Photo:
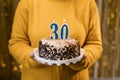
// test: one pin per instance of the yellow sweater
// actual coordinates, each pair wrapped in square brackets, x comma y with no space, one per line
[32,23]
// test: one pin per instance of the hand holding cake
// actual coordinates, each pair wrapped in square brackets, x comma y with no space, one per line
[32,55]
[58,51]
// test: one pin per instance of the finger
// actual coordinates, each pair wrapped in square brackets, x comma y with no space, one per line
[45,63]
[84,56]
[32,55]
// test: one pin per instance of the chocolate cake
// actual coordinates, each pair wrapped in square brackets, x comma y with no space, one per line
[53,49]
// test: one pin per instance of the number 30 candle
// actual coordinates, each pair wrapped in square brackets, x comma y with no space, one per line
[64,31]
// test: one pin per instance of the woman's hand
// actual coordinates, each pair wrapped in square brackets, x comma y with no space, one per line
[84,56]
[32,55]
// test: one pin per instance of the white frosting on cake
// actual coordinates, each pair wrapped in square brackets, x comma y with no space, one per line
[59,43]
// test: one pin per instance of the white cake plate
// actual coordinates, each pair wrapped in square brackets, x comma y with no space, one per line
[58,62]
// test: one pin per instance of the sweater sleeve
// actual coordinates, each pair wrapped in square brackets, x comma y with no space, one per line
[19,44]
[93,43]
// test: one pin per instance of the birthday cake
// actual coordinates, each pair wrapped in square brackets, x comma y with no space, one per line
[58,49]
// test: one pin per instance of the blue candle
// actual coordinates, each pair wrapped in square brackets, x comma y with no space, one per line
[64,31]
[55,31]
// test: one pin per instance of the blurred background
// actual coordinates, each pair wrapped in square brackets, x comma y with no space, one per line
[107,68]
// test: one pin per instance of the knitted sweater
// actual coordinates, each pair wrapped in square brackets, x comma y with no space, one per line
[32,22]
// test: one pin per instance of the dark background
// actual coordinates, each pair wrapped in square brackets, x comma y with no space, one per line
[107,68]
